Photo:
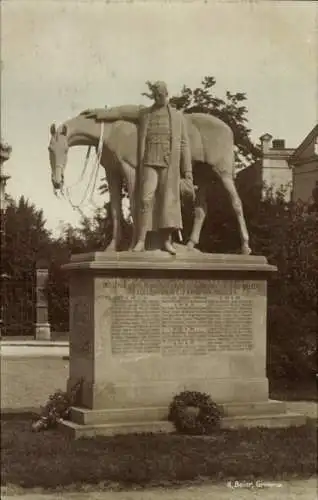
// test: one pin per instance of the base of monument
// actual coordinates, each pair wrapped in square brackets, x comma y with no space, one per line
[145,327]
[90,423]
[159,393]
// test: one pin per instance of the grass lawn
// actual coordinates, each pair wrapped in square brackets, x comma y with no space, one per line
[48,461]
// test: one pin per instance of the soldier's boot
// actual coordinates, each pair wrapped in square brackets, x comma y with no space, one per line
[167,242]
[140,246]
[143,228]
[141,242]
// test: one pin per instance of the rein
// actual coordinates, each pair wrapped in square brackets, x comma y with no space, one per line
[93,176]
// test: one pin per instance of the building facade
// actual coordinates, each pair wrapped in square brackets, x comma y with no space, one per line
[304,165]
[272,172]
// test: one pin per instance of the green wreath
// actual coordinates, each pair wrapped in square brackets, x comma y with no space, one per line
[194,413]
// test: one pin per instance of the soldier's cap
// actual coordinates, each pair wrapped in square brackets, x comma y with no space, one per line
[160,87]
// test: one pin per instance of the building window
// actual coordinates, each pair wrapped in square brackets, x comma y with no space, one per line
[316,146]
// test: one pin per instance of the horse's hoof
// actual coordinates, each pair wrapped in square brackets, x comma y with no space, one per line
[246,250]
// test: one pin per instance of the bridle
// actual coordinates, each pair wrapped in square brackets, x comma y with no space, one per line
[92,179]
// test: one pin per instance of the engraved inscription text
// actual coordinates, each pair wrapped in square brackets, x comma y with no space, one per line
[180,317]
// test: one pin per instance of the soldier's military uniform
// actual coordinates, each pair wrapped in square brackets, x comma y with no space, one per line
[164,158]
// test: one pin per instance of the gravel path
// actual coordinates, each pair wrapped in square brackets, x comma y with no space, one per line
[292,490]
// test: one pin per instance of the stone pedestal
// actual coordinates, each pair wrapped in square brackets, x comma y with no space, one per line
[144,327]
[42,326]
[42,331]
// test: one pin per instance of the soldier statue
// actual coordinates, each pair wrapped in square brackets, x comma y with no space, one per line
[164,165]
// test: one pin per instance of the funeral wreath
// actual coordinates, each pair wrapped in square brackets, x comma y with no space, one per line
[194,413]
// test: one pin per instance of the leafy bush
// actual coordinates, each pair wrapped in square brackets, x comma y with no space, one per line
[57,408]
[288,237]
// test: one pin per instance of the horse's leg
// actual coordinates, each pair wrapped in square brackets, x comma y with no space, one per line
[115,187]
[130,176]
[200,211]
[228,183]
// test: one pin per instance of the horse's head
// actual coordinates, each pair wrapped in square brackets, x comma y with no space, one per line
[58,149]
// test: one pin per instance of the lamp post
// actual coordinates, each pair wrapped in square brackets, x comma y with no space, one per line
[5,153]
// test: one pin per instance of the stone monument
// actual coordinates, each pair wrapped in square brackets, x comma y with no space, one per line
[146,325]
[42,325]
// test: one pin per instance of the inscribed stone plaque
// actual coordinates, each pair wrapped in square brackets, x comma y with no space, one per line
[180,317]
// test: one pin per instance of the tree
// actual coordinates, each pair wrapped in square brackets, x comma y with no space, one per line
[26,241]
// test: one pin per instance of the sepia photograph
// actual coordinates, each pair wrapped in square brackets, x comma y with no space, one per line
[159,249]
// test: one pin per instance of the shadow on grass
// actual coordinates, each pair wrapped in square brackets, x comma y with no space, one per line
[50,461]
[18,415]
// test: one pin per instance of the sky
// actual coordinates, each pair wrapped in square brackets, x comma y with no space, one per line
[59,57]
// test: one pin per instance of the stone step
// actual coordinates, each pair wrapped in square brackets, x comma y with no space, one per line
[76,431]
[287,419]
[85,416]
[251,408]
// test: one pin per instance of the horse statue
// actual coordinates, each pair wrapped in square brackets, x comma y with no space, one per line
[212,149]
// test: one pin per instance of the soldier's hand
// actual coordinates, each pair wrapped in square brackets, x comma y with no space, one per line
[95,113]
[187,189]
